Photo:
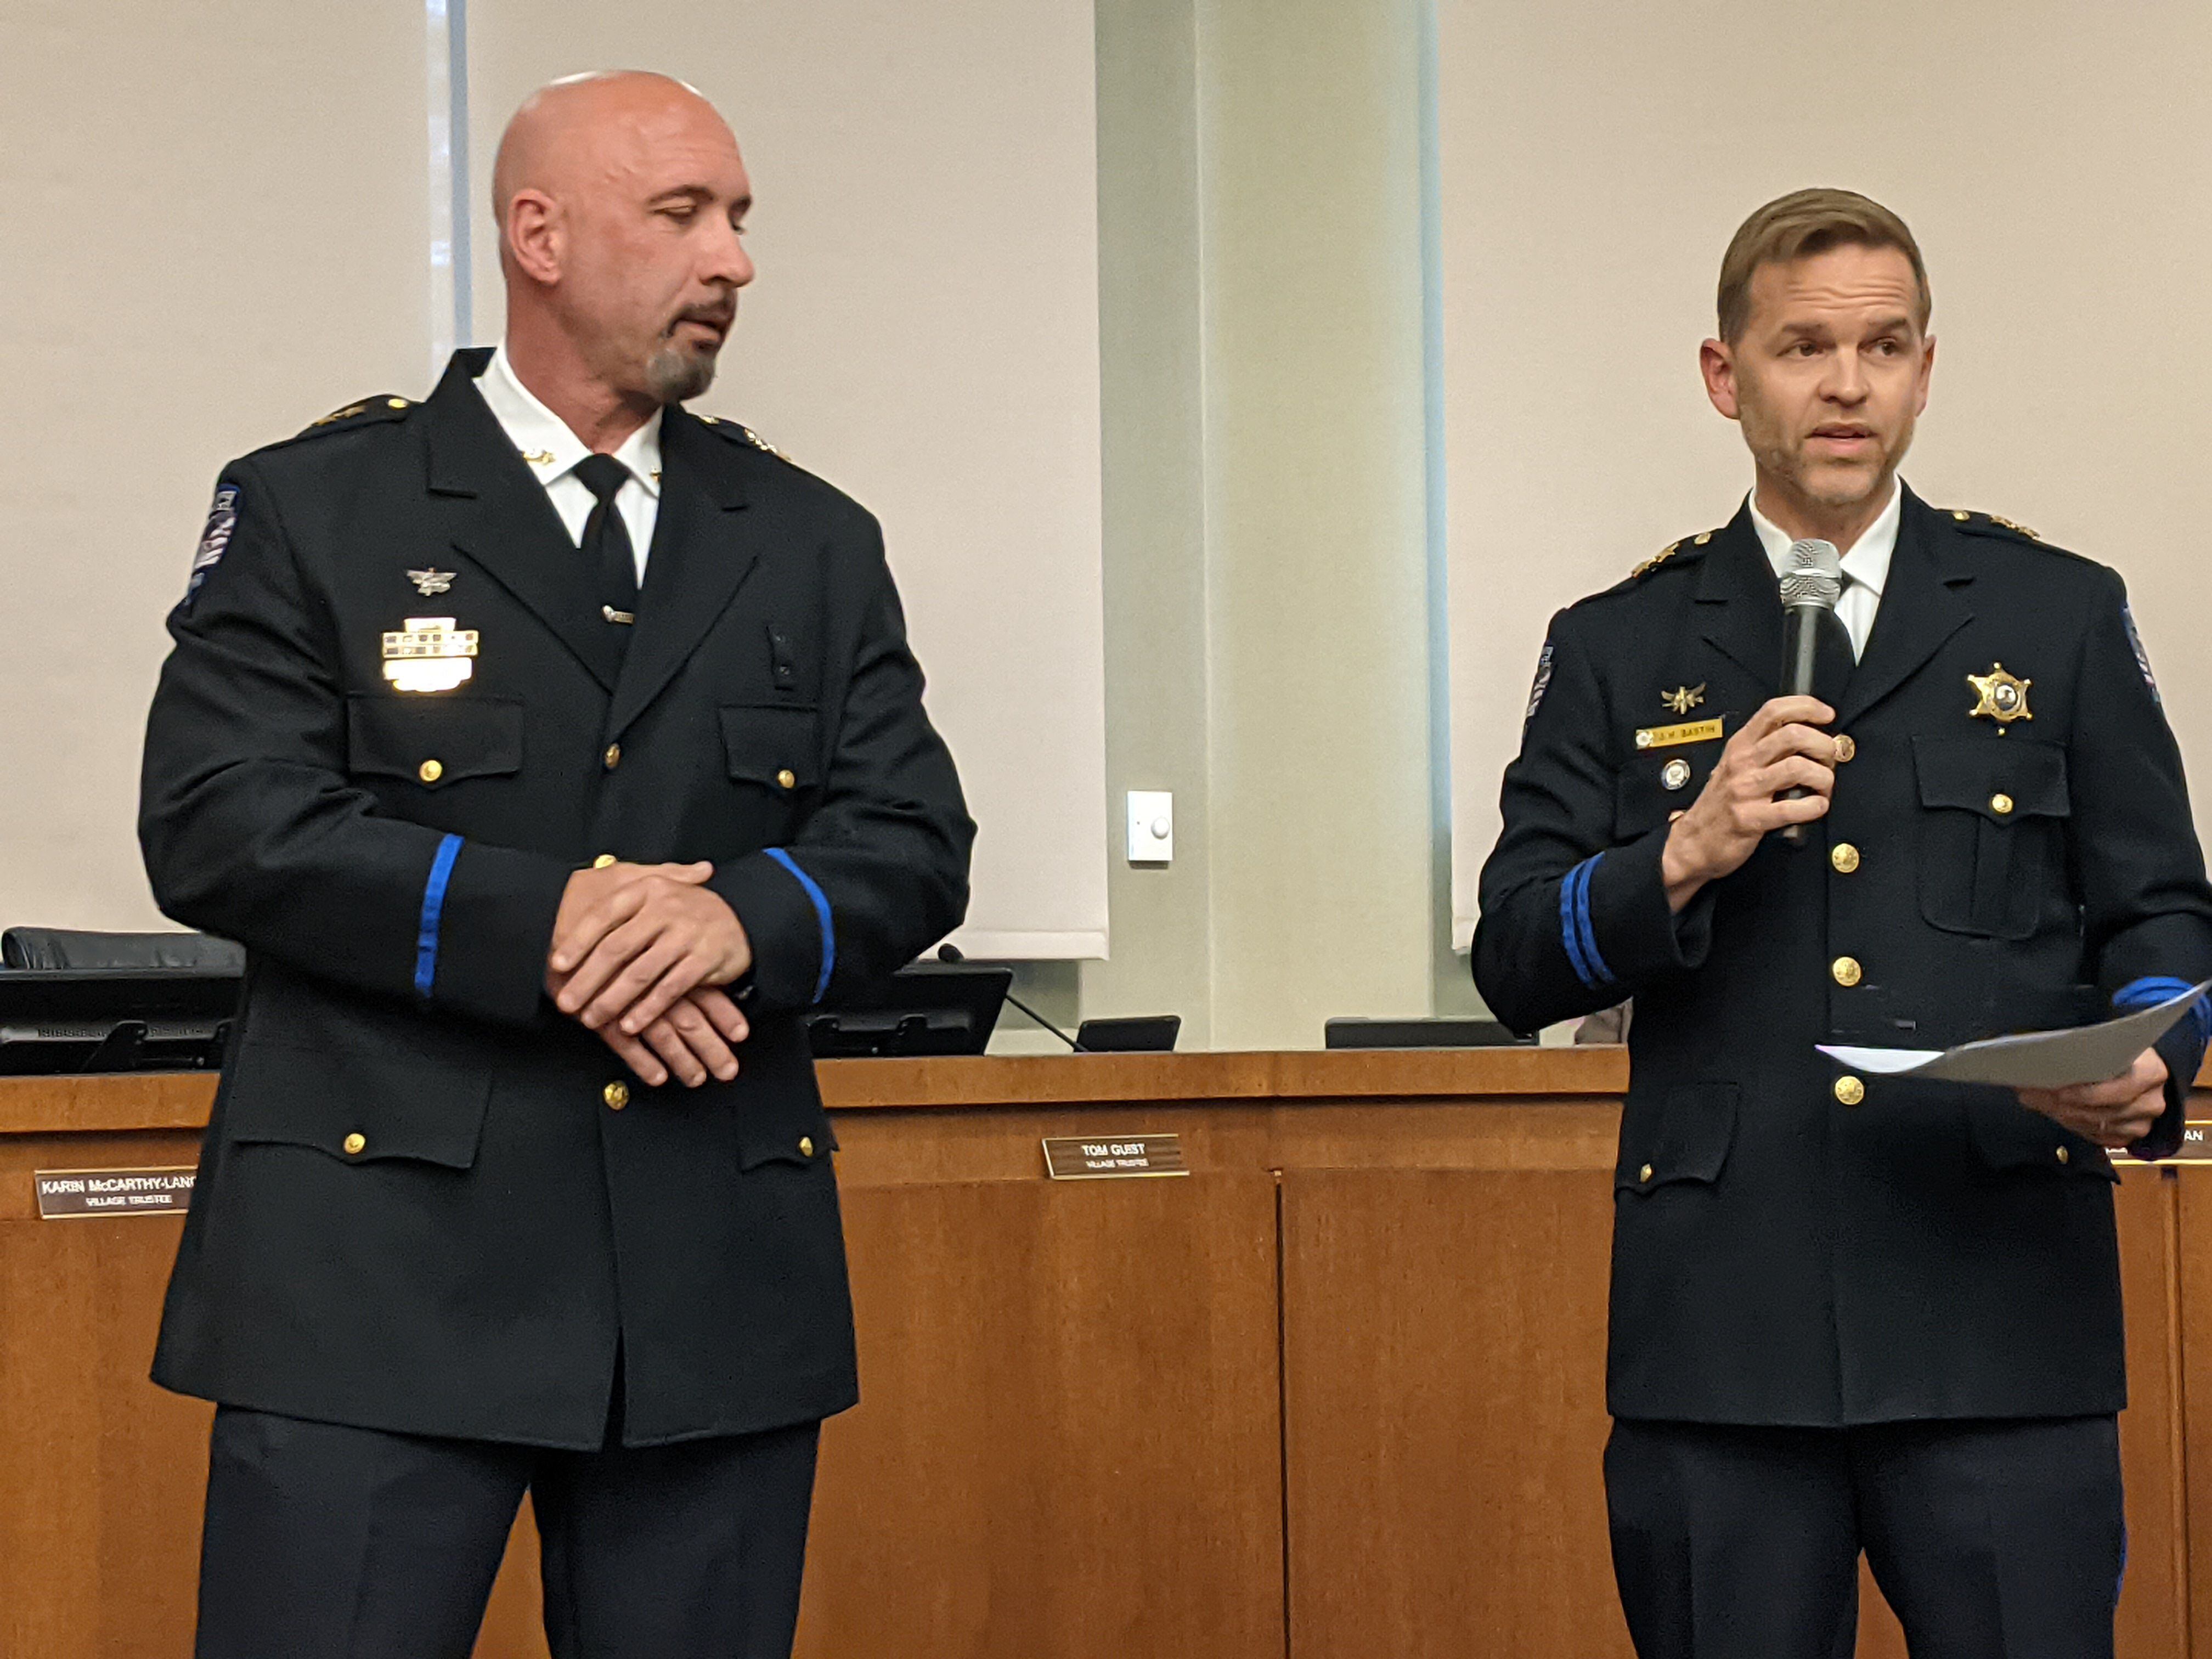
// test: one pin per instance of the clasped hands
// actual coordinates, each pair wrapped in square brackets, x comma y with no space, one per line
[1782,747]
[640,954]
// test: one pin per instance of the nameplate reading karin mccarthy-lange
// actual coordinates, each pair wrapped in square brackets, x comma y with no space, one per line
[1122,1158]
[66,1194]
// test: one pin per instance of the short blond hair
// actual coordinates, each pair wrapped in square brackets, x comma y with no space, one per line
[1799,225]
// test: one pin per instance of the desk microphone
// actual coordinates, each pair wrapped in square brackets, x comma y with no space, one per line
[1810,588]
[951,953]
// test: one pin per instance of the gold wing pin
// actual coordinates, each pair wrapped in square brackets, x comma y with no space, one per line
[2000,696]
[1683,698]
[431,583]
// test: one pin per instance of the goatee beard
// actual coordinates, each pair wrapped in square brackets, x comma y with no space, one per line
[675,375]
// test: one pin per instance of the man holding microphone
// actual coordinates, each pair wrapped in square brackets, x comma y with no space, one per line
[1855,1314]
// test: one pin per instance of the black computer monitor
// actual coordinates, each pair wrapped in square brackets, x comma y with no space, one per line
[114,1019]
[929,1008]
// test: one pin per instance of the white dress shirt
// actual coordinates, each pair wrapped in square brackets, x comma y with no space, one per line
[551,451]
[1867,563]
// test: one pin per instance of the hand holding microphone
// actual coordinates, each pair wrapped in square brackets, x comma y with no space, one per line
[1778,771]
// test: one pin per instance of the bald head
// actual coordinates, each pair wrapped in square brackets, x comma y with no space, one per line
[620,200]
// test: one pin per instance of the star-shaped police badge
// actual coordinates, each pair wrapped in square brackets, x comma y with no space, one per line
[1683,698]
[431,583]
[2004,698]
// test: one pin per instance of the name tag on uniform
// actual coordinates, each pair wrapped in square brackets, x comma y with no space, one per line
[1672,737]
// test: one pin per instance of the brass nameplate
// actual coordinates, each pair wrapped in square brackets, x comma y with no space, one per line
[2195,1143]
[1671,736]
[68,1194]
[1120,1158]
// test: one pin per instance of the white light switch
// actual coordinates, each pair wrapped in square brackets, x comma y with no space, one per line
[1151,826]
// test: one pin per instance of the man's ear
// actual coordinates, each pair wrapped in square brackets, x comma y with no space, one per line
[1716,362]
[535,235]
[1927,376]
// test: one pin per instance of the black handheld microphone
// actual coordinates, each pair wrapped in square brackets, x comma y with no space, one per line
[952,953]
[1810,588]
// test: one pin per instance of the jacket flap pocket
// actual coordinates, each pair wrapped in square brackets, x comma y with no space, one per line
[359,1105]
[2009,1137]
[774,744]
[2001,780]
[780,1141]
[433,740]
[1684,1134]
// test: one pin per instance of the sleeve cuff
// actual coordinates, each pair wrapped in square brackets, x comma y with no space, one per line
[787,919]
[2182,1049]
[484,929]
[1615,915]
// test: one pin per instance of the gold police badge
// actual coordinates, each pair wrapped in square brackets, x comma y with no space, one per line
[2002,696]
[428,654]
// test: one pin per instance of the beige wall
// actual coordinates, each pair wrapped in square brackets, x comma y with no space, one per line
[215,231]
[2056,162]
[1266,517]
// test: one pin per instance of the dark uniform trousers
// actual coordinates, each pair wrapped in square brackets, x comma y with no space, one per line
[442,1248]
[1859,1314]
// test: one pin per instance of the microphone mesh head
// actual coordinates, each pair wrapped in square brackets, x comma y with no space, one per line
[1814,575]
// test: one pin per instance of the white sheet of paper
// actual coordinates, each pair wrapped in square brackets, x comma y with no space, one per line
[2039,1060]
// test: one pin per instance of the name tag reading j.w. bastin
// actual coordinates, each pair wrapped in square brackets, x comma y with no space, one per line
[70,1194]
[1114,1157]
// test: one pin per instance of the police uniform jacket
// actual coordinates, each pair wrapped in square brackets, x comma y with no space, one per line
[1793,1245]
[428,1202]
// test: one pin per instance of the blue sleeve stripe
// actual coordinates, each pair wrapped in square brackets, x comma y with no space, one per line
[433,911]
[820,914]
[2153,989]
[1575,928]
[1583,918]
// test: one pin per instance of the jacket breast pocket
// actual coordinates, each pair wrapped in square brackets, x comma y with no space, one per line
[1678,1133]
[363,1105]
[433,741]
[1992,830]
[774,745]
[1657,784]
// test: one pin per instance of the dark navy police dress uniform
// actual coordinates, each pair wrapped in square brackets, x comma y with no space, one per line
[429,1205]
[1845,1310]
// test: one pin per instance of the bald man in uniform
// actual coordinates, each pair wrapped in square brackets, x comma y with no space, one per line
[552,750]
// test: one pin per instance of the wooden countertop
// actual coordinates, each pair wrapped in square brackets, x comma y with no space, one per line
[143,1100]
[149,1101]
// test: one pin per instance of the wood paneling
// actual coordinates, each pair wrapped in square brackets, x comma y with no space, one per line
[1444,1334]
[1073,1442]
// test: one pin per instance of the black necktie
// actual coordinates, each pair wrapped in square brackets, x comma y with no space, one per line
[1833,658]
[606,548]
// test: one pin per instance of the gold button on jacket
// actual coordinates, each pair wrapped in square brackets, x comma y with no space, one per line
[1847,749]
[613,758]
[603,860]
[1849,1091]
[786,779]
[1843,857]
[1846,971]
[616,1094]
[2000,805]
[356,1142]
[430,771]
[806,1145]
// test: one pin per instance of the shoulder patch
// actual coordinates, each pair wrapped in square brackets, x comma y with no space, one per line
[1543,682]
[2142,657]
[367,412]
[215,540]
